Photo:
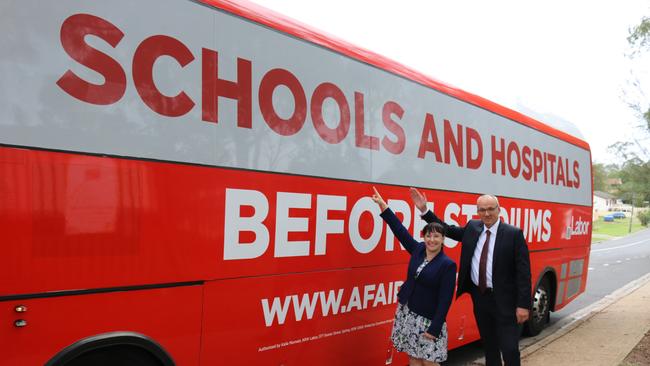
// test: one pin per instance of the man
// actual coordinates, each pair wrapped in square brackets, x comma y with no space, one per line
[497,278]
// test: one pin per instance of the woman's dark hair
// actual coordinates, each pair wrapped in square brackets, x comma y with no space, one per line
[433,227]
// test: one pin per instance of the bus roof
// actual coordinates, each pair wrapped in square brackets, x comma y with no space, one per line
[259,14]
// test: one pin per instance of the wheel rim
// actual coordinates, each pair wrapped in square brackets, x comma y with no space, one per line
[540,305]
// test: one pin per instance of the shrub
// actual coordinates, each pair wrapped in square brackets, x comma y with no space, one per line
[644,217]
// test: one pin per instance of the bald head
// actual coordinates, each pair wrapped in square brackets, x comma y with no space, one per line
[487,207]
[488,198]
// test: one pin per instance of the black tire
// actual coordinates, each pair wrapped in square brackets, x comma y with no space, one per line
[539,313]
[116,356]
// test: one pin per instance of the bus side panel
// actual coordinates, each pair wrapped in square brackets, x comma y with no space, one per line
[571,268]
[318,318]
[566,253]
[170,316]
[461,325]
[78,221]
[322,318]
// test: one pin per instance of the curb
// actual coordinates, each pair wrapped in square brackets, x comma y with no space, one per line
[581,316]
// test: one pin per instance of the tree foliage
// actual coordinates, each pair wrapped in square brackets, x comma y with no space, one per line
[601,174]
[635,175]
[634,172]
[640,35]
[639,40]
[600,177]
[644,217]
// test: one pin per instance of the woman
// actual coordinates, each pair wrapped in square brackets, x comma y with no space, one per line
[424,298]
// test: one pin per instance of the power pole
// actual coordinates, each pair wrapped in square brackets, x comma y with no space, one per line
[629,231]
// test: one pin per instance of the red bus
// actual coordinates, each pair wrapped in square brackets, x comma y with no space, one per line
[187,183]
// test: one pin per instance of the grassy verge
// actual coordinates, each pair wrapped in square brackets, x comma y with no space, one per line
[640,355]
[608,230]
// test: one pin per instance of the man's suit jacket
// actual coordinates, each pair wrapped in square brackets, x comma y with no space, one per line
[510,263]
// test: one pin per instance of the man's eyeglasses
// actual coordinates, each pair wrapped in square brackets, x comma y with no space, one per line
[486,209]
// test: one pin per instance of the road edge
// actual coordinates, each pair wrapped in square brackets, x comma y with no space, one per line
[530,345]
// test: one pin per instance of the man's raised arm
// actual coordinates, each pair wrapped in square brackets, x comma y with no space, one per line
[420,201]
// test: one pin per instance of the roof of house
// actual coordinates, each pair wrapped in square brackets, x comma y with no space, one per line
[604,195]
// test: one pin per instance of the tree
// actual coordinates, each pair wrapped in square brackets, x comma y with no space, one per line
[600,177]
[602,173]
[635,171]
[639,40]
[635,175]
[639,36]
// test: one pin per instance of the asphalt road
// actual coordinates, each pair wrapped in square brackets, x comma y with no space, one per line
[612,265]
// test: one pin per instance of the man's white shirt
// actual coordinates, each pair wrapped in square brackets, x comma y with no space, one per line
[476,259]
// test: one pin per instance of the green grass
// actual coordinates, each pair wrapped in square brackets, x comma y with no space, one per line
[608,230]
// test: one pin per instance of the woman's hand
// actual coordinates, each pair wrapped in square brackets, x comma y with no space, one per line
[429,336]
[378,200]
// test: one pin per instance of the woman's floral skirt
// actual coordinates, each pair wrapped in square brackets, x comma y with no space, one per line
[407,336]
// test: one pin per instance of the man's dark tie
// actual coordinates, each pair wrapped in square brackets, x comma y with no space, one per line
[482,266]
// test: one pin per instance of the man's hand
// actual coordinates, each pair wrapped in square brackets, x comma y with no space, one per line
[419,199]
[522,315]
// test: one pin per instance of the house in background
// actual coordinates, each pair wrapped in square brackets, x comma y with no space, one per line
[603,203]
[613,185]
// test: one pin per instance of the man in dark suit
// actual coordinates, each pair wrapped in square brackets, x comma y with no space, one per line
[495,271]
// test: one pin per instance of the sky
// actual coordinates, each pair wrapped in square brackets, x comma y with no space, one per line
[553,60]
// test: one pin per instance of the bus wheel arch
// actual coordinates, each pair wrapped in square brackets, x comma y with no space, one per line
[543,302]
[129,348]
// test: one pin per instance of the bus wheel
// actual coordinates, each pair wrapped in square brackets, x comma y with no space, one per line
[118,355]
[539,313]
